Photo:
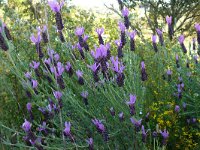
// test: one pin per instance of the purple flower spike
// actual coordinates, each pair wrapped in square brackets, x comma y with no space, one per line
[57,95]
[132,100]
[177,108]
[197,27]
[169,20]
[100,31]
[100,127]
[28,106]
[118,43]
[125,12]
[79,73]
[154,38]
[67,130]
[133,34]
[142,65]
[159,32]
[28,75]
[55,6]
[121,116]
[60,69]
[90,143]
[181,39]
[121,27]
[35,39]
[26,126]
[79,31]
[34,84]
[94,67]
[35,64]
[144,135]
[136,123]
[165,135]
[84,94]
[169,72]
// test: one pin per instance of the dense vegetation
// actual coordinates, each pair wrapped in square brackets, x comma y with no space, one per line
[73,79]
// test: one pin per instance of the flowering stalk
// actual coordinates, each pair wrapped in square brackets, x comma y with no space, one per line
[123,34]
[101,128]
[69,69]
[7,32]
[144,135]
[125,13]
[121,116]
[143,72]
[160,35]
[119,48]
[58,96]
[177,61]
[132,40]
[80,51]
[165,135]
[3,43]
[181,40]
[84,95]
[56,8]
[35,65]
[90,143]
[131,104]
[44,33]
[154,43]
[29,109]
[100,31]
[67,131]
[197,27]
[94,69]
[80,77]
[169,74]
[194,44]
[61,36]
[36,40]
[137,124]
[118,68]
[170,27]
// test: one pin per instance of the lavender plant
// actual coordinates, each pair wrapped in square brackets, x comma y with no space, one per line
[75,94]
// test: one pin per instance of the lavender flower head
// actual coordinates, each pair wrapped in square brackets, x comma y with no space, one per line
[60,69]
[90,143]
[68,66]
[100,31]
[35,39]
[79,31]
[159,32]
[142,65]
[57,94]
[132,34]
[165,135]
[169,72]
[29,106]
[55,6]
[121,27]
[125,12]
[181,39]
[100,127]
[154,38]
[79,73]
[94,67]
[121,116]
[84,94]
[67,129]
[144,134]
[118,43]
[34,84]
[177,108]
[132,100]
[136,123]
[28,75]
[197,27]
[35,64]
[26,126]
[169,20]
